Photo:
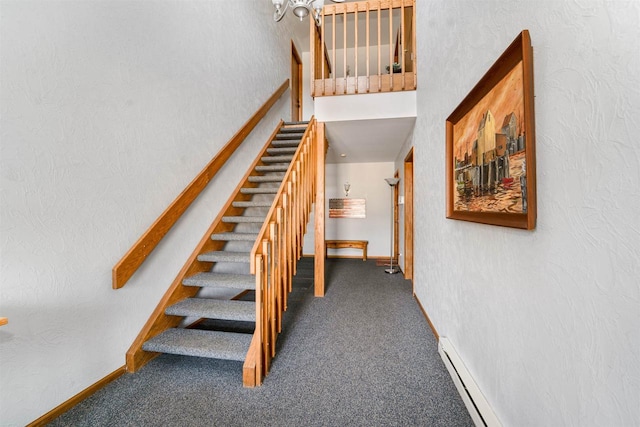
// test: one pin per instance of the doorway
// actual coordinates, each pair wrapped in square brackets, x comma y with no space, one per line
[408,216]
[296,84]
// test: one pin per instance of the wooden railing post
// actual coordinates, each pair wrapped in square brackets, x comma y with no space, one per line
[319,213]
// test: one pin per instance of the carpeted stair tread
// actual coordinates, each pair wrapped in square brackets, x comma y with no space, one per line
[243,219]
[266,178]
[225,256]
[289,136]
[259,190]
[293,129]
[277,159]
[299,123]
[221,280]
[244,311]
[285,143]
[194,342]
[272,168]
[256,204]
[245,237]
[282,150]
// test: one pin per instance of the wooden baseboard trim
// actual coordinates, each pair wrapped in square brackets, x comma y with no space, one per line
[65,406]
[369,257]
[345,257]
[426,316]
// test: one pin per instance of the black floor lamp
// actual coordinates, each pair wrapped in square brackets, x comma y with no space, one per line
[392,183]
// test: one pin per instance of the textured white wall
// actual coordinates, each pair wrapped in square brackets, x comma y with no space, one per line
[367,182]
[108,110]
[547,320]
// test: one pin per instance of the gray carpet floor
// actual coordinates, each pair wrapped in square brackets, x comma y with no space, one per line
[361,356]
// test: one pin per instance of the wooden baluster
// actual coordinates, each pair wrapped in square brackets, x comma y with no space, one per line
[294,215]
[300,229]
[344,49]
[266,336]
[367,52]
[307,178]
[322,42]
[379,47]
[292,221]
[402,44]
[259,310]
[413,45]
[333,51]
[312,56]
[390,46]
[285,241]
[282,271]
[355,50]
[272,290]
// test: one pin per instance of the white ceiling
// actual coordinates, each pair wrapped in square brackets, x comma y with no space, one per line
[367,141]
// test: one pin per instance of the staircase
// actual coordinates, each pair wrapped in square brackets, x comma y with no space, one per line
[216,287]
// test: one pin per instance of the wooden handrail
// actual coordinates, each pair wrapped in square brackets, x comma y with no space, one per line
[274,255]
[132,260]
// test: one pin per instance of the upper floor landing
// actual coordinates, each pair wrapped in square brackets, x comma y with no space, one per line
[363,47]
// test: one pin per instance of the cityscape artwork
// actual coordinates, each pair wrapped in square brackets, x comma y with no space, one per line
[490,145]
[489,151]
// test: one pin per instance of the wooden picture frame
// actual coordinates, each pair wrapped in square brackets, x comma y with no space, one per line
[490,145]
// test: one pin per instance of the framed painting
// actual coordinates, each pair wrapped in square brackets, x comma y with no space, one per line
[490,145]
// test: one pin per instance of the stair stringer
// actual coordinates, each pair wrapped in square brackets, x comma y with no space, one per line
[158,322]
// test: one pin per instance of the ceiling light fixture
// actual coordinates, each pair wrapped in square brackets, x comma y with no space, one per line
[300,8]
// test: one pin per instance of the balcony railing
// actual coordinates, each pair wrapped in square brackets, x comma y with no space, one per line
[364,47]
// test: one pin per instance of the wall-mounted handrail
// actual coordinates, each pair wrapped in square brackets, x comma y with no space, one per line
[366,67]
[274,255]
[135,256]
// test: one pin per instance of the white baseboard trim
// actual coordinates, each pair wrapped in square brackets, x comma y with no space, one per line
[478,407]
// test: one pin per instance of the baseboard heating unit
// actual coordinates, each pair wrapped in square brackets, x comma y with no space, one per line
[477,405]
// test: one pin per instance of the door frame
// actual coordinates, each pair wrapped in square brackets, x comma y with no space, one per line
[408,216]
[296,84]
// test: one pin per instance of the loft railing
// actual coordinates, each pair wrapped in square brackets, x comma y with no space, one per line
[274,255]
[138,253]
[364,47]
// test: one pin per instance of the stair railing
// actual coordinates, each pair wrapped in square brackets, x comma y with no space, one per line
[138,253]
[368,60]
[275,253]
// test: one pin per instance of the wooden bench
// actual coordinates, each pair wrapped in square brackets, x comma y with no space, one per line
[341,244]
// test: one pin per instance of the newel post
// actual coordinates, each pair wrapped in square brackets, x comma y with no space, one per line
[319,212]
